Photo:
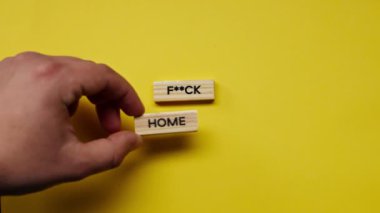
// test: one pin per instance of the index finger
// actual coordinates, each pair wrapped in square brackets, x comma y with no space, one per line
[101,84]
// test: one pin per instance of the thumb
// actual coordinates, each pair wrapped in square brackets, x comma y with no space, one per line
[105,153]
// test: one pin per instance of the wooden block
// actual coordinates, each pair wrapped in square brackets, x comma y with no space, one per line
[193,90]
[167,122]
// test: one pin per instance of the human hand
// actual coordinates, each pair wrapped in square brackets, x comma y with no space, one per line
[38,144]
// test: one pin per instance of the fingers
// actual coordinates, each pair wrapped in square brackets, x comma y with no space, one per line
[109,91]
[101,85]
[102,154]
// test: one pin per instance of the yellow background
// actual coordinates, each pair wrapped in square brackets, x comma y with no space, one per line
[296,122]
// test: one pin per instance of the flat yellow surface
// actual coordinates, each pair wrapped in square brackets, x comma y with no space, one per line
[296,122]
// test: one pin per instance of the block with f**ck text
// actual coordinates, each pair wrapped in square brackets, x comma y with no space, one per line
[189,90]
[167,122]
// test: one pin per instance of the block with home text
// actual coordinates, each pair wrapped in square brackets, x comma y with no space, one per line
[167,122]
[187,90]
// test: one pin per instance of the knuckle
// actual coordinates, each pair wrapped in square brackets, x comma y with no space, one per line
[86,164]
[80,170]
[73,168]
[87,65]
[115,162]
[87,61]
[83,168]
[26,55]
[48,68]
[111,160]
[104,67]
[7,59]
[42,66]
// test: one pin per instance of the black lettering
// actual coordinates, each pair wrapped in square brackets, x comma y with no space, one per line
[161,122]
[196,89]
[182,121]
[170,89]
[152,123]
[188,92]
[173,122]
